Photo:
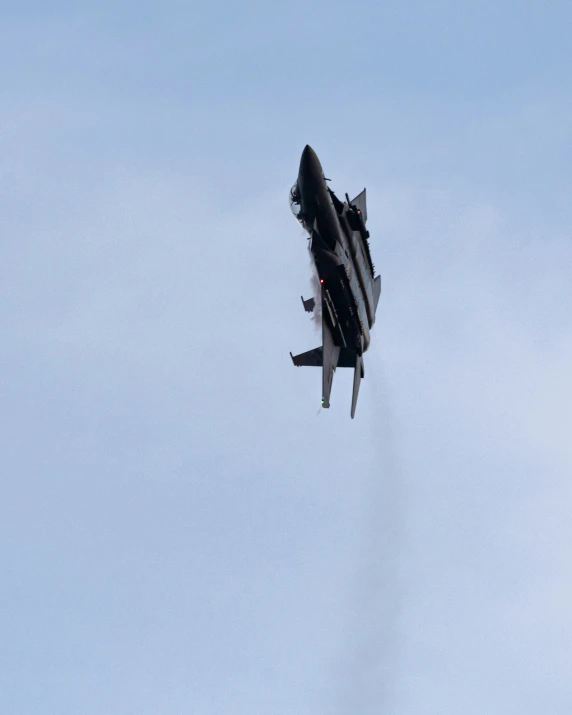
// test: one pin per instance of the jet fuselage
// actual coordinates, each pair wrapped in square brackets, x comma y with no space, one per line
[339,249]
[349,290]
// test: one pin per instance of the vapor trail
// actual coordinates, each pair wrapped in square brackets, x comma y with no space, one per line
[368,665]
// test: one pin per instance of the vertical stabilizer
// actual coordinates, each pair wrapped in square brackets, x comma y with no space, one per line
[376,291]
[357,381]
[330,355]
[360,203]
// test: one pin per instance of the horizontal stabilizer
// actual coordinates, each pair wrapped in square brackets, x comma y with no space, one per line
[360,204]
[314,358]
[309,304]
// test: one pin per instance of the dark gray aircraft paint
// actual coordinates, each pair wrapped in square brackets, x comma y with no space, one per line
[350,289]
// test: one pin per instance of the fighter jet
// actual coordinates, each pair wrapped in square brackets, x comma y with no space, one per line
[349,288]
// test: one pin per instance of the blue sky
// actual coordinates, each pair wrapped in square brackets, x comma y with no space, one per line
[181,529]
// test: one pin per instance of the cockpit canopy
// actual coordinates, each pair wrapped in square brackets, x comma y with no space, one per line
[296,206]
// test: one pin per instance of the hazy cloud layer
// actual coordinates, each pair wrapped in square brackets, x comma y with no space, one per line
[181,529]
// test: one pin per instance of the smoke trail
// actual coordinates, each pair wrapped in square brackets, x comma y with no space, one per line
[368,667]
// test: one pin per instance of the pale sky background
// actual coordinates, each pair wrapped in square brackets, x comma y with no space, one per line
[181,529]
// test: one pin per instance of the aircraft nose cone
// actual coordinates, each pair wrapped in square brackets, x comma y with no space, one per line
[310,167]
[309,160]
[308,152]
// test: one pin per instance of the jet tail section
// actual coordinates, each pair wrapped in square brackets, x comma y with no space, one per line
[330,356]
[335,357]
[326,357]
